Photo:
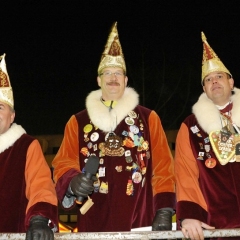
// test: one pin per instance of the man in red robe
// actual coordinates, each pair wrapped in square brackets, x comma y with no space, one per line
[135,185]
[206,161]
[27,193]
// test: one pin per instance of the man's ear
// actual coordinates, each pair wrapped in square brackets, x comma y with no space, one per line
[126,81]
[12,117]
[99,81]
[231,82]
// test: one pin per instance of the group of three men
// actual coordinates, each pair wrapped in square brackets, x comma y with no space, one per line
[134,185]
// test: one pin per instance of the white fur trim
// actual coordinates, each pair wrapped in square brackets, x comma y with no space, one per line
[108,120]
[8,138]
[207,114]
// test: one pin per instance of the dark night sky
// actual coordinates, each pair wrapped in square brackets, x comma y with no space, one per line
[53,49]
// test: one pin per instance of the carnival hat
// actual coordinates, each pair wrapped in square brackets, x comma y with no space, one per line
[112,55]
[6,93]
[211,62]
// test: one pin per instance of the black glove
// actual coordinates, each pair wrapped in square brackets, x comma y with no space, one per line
[80,186]
[39,229]
[162,220]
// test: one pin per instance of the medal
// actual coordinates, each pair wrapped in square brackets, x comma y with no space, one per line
[96,185]
[129,121]
[207,147]
[113,145]
[89,145]
[129,190]
[118,168]
[134,129]
[210,163]
[137,177]
[132,114]
[103,188]
[200,155]
[145,145]
[84,151]
[129,159]
[101,172]
[88,128]
[94,136]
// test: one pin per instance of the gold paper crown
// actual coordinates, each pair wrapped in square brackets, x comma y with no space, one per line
[211,62]
[112,55]
[6,94]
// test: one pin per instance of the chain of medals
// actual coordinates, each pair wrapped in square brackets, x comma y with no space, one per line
[132,137]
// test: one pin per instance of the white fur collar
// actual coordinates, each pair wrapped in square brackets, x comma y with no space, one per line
[8,138]
[207,113]
[100,115]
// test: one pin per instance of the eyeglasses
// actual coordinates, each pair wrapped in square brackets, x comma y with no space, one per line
[108,74]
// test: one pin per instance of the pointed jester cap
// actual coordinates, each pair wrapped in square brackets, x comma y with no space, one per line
[112,55]
[6,93]
[211,62]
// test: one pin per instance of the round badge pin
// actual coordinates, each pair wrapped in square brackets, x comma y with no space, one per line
[129,121]
[137,177]
[134,129]
[128,159]
[132,114]
[210,163]
[88,128]
[145,145]
[89,145]
[94,136]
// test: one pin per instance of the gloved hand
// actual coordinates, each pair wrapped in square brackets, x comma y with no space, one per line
[39,229]
[162,220]
[81,186]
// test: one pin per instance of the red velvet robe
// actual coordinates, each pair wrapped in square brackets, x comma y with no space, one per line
[210,195]
[26,186]
[116,211]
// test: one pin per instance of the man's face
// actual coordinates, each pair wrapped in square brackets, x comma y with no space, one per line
[218,86]
[6,117]
[112,81]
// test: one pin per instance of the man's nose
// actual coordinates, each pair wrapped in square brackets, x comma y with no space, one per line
[215,79]
[113,76]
